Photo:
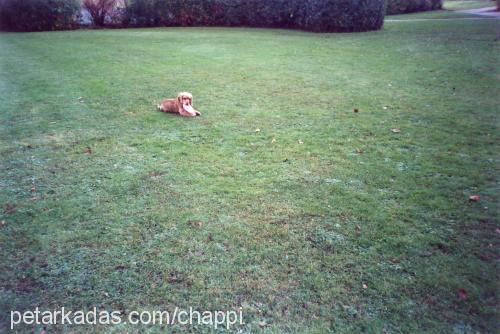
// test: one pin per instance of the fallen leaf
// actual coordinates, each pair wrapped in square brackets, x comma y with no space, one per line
[384,107]
[274,140]
[356,110]
[474,198]
[88,150]
[196,223]
[426,254]
[301,142]
[359,151]
[9,208]
[173,279]
[262,323]
[462,294]
[365,286]
[396,130]
[257,130]
[156,174]
[2,222]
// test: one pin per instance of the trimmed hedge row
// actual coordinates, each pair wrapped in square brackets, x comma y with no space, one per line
[37,15]
[313,15]
[410,6]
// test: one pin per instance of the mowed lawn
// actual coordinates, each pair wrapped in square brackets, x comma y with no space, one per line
[280,199]
[467,4]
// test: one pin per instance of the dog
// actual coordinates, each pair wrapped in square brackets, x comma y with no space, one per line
[182,105]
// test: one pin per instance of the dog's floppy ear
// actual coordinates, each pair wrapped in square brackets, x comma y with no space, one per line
[179,98]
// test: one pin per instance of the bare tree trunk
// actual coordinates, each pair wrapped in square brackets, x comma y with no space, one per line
[99,9]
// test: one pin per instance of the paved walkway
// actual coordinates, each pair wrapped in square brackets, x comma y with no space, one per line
[440,19]
[482,13]
[488,11]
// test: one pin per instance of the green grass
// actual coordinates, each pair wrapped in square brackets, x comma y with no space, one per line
[467,4]
[108,203]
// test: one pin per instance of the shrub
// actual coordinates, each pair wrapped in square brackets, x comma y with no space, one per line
[314,15]
[35,15]
[344,15]
[409,6]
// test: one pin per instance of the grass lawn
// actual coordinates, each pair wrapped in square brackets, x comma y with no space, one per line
[467,4]
[324,220]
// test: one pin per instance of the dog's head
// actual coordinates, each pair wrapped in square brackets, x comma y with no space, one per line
[185,98]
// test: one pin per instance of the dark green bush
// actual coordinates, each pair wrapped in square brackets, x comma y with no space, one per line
[409,6]
[35,15]
[344,15]
[314,15]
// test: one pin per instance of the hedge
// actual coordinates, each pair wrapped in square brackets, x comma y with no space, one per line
[313,15]
[35,15]
[410,6]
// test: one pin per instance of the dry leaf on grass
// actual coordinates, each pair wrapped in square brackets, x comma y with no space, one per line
[462,294]
[9,208]
[474,198]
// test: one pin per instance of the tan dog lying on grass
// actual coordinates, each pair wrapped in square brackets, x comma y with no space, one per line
[182,105]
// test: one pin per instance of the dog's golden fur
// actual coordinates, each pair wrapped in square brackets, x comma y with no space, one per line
[182,105]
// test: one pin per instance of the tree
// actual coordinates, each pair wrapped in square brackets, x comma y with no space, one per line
[37,15]
[99,9]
